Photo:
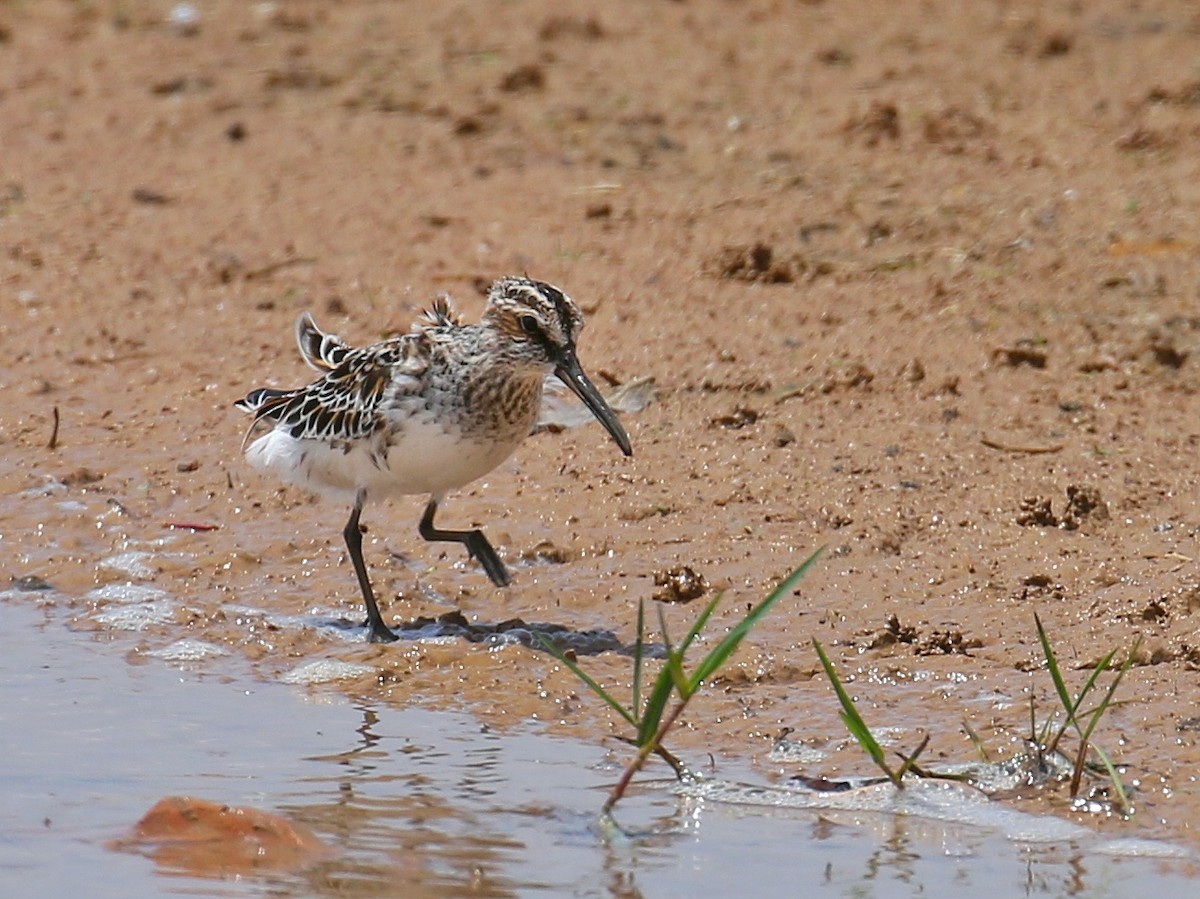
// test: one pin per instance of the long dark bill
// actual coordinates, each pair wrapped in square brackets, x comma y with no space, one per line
[570,373]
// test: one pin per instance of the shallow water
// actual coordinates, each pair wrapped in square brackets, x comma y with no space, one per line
[416,802]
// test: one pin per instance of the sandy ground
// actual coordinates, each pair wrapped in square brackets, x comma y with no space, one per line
[917,282]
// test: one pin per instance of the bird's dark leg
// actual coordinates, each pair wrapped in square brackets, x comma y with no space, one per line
[476,544]
[379,632]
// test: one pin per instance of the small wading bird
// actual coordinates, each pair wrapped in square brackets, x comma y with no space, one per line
[423,413]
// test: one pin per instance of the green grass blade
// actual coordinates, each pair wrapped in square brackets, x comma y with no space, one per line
[549,646]
[976,741]
[656,704]
[721,652]
[674,662]
[679,677]
[1073,714]
[1072,707]
[850,716]
[1090,683]
[701,620]
[909,762]
[1052,665]
[1060,687]
[638,651]
[1094,715]
[1115,777]
[862,735]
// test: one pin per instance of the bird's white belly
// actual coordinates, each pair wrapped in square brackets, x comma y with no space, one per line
[425,459]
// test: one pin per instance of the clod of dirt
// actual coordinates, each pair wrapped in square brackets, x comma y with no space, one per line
[1020,354]
[836,519]
[546,551]
[1057,44]
[524,78]
[31,583]
[81,477]
[847,376]
[1162,347]
[881,121]
[679,584]
[835,56]
[1154,611]
[953,126]
[947,643]
[783,436]
[1036,512]
[757,263]
[150,196]
[737,419]
[469,125]
[1083,502]
[1153,653]
[913,371]
[1040,585]
[893,632]
[1098,363]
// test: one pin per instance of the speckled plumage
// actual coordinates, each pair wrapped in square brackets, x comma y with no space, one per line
[425,412]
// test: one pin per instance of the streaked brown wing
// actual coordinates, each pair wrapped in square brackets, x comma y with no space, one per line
[348,403]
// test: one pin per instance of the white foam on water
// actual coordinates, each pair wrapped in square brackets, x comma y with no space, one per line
[137,617]
[948,803]
[795,751]
[329,624]
[326,671]
[126,593]
[131,564]
[49,487]
[188,650]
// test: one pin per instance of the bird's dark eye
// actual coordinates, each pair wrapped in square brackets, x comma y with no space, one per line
[529,325]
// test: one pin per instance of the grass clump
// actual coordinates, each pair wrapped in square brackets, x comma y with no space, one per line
[1045,740]
[653,716]
[1084,720]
